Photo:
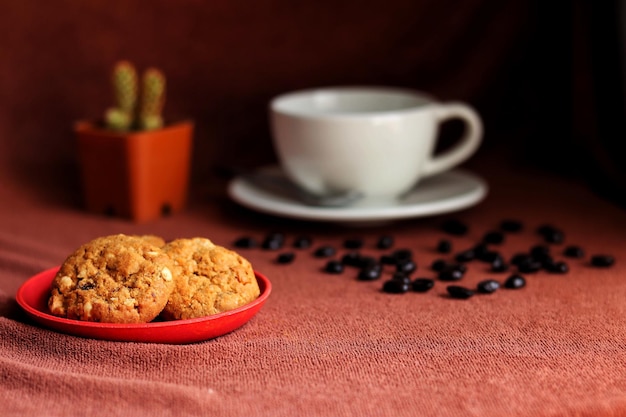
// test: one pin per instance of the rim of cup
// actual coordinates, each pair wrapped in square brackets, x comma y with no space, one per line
[349,102]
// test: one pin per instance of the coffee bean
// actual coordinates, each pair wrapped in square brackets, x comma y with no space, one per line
[465,256]
[385,242]
[459,292]
[495,238]
[246,242]
[547,262]
[539,252]
[406,265]
[395,286]
[602,261]
[551,234]
[515,282]
[351,259]
[273,241]
[423,284]
[556,236]
[401,276]
[487,286]
[353,243]
[482,252]
[451,274]
[401,254]
[358,260]
[454,227]
[498,265]
[559,267]
[509,225]
[303,242]
[529,266]
[286,258]
[520,258]
[333,267]
[370,273]
[444,246]
[438,265]
[545,229]
[574,252]
[324,252]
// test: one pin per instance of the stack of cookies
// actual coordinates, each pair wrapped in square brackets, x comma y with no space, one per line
[136,279]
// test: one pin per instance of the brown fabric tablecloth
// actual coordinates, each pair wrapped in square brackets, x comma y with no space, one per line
[328,344]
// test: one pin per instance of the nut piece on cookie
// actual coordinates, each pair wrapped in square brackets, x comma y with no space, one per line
[210,279]
[114,279]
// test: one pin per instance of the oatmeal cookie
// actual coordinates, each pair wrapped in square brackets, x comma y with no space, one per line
[210,279]
[114,279]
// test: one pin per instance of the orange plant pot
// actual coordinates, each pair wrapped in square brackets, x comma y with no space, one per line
[140,175]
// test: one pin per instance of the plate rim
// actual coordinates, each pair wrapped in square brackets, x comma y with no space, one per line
[124,331]
[358,214]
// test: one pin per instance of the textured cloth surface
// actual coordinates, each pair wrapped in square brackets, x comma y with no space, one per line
[329,344]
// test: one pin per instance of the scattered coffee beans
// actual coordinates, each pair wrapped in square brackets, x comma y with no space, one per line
[402,262]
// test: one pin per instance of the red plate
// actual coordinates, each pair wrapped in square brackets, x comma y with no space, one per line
[33,295]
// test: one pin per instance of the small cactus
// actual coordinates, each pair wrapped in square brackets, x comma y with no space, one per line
[124,79]
[125,115]
[152,99]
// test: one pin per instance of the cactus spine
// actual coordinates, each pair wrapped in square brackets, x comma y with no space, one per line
[125,115]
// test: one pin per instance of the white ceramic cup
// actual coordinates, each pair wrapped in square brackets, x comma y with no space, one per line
[375,140]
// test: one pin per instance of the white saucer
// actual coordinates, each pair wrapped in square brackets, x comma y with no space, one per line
[451,191]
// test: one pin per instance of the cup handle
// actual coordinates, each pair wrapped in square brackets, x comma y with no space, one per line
[466,146]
